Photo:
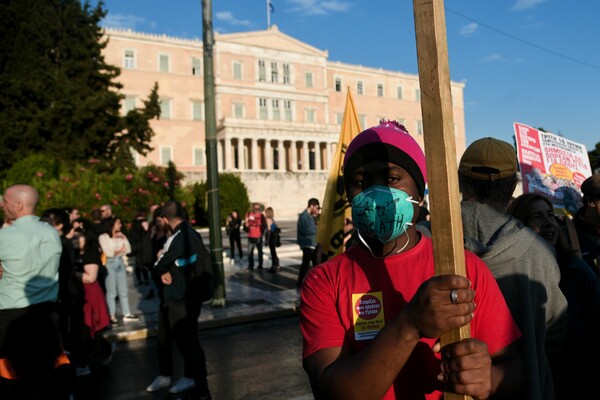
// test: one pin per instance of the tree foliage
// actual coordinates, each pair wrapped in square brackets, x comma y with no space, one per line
[82,186]
[58,96]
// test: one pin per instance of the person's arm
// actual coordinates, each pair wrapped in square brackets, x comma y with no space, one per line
[90,273]
[172,250]
[104,241]
[336,374]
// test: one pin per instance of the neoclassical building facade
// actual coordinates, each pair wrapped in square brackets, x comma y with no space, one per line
[279,107]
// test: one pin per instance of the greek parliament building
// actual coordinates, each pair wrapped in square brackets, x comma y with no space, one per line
[279,105]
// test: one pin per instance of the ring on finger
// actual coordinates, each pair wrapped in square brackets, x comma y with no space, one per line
[454,296]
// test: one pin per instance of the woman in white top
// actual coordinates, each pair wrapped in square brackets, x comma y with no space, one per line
[115,246]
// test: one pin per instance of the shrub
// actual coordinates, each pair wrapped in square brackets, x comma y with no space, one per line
[87,186]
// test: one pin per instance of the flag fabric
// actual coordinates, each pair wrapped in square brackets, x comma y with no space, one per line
[335,207]
[271,8]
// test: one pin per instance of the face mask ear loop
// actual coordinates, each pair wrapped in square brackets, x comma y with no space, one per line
[363,241]
[407,240]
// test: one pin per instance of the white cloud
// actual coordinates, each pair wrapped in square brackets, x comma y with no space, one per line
[493,58]
[120,21]
[468,29]
[526,4]
[228,17]
[316,7]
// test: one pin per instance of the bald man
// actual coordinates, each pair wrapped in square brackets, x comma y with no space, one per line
[30,253]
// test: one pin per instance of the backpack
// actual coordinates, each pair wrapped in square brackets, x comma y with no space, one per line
[202,280]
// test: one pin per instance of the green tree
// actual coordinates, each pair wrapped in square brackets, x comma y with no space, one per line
[58,96]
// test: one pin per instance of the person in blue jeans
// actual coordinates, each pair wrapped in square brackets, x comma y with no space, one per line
[115,246]
[307,237]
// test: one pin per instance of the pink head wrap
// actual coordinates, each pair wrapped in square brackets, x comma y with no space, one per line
[388,141]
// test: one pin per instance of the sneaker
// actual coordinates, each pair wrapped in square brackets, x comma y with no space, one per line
[160,382]
[182,385]
[82,371]
[108,359]
[131,318]
[114,321]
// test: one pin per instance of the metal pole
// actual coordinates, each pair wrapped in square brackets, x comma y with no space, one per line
[214,224]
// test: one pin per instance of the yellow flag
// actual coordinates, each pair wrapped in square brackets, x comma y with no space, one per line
[335,207]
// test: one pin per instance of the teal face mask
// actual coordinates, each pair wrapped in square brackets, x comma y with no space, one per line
[382,213]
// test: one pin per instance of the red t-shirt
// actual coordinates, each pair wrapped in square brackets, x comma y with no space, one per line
[349,299]
[256,224]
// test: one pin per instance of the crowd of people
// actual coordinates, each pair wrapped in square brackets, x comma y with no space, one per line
[371,318]
[63,284]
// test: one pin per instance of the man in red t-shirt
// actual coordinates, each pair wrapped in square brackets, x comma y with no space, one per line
[255,223]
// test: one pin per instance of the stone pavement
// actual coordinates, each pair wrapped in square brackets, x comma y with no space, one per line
[250,296]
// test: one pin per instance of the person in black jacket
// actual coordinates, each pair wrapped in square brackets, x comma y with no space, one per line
[180,307]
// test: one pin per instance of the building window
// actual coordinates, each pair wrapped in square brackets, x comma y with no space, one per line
[238,110]
[286,74]
[263,113]
[417,94]
[129,59]
[359,87]
[262,71]
[419,127]
[362,119]
[198,156]
[339,118]
[129,103]
[287,106]
[275,109]
[309,79]
[197,111]
[165,109]
[399,94]
[196,64]
[237,70]
[311,115]
[338,84]
[274,73]
[163,63]
[380,90]
[166,155]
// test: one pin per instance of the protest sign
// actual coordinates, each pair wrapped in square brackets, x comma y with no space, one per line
[552,165]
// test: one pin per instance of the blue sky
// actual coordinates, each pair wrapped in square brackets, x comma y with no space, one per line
[536,62]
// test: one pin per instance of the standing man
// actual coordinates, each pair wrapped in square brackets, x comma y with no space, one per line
[587,222]
[307,237]
[256,223]
[30,252]
[180,309]
[521,261]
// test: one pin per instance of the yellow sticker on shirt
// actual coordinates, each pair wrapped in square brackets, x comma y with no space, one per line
[367,310]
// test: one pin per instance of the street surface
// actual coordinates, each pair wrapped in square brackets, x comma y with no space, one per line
[260,360]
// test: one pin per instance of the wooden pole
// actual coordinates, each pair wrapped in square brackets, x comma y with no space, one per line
[440,147]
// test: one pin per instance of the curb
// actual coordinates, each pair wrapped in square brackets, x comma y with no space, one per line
[148,331]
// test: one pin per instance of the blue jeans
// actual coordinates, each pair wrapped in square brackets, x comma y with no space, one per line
[252,243]
[116,285]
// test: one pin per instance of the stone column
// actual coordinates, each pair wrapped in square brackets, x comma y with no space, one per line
[268,155]
[305,157]
[293,156]
[280,155]
[253,154]
[227,156]
[319,156]
[220,161]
